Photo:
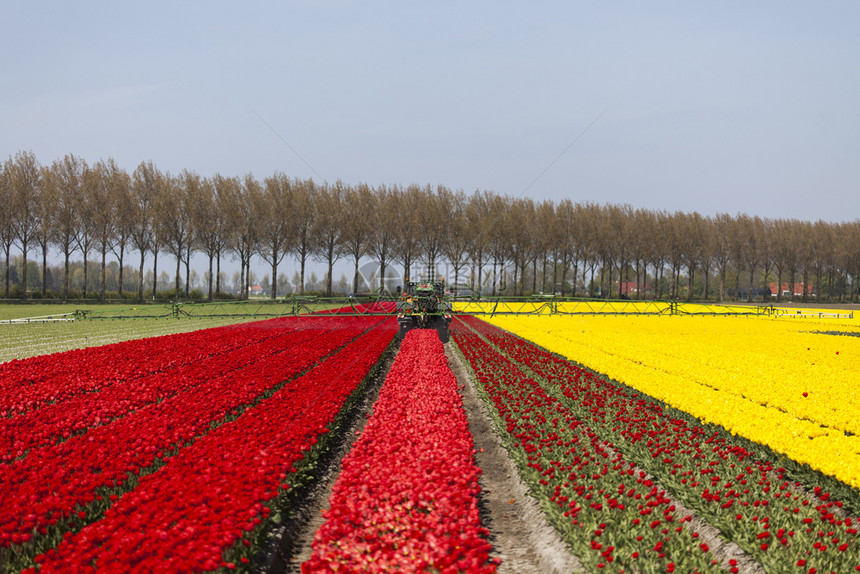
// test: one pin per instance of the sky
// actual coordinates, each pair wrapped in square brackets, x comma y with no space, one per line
[714,107]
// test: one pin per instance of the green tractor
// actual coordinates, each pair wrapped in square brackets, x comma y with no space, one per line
[423,305]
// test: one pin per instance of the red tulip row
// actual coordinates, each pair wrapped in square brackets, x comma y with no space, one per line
[614,517]
[191,363]
[214,492]
[29,384]
[747,498]
[406,497]
[58,483]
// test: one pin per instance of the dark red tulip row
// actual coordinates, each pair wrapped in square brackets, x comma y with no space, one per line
[614,517]
[406,497]
[217,490]
[749,500]
[59,482]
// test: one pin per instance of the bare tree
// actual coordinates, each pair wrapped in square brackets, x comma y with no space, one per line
[305,215]
[586,243]
[329,227]
[25,205]
[620,221]
[431,231]
[103,207]
[722,229]
[206,220]
[566,244]
[174,222]
[192,190]
[86,210]
[691,237]
[357,230]
[644,222]
[275,222]
[243,222]
[7,219]
[456,244]
[65,202]
[519,222]
[546,241]
[220,231]
[480,232]
[122,208]
[407,205]
[383,233]
[499,240]
[146,187]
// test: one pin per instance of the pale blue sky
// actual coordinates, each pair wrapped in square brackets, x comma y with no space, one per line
[709,106]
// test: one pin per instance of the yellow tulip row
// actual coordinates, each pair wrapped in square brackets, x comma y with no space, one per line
[775,381]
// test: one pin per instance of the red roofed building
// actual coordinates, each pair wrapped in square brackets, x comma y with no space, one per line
[788,291]
[633,288]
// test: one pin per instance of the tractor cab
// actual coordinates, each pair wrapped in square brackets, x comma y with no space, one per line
[423,306]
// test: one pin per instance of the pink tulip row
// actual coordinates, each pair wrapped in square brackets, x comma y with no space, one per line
[406,497]
[215,491]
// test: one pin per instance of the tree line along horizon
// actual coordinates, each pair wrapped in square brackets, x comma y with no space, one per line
[495,244]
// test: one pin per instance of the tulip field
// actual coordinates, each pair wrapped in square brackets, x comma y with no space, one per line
[614,467]
[649,443]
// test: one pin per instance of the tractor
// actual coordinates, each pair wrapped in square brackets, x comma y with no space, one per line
[423,306]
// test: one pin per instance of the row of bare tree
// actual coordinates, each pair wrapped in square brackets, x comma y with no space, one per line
[498,244]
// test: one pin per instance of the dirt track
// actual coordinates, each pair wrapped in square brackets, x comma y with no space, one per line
[520,535]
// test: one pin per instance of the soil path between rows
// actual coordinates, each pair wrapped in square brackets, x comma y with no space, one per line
[519,533]
[296,541]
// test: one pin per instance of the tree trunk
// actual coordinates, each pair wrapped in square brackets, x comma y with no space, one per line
[355,277]
[779,286]
[102,278]
[84,290]
[188,272]
[24,271]
[248,279]
[591,285]
[690,281]
[752,273]
[140,273]
[328,282]
[302,265]
[45,269]
[495,261]
[119,280]
[178,262]
[563,279]
[516,275]
[805,284]
[66,278]
[8,248]
[209,288]
[218,274]
[274,277]
[738,285]
[154,274]
[241,284]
